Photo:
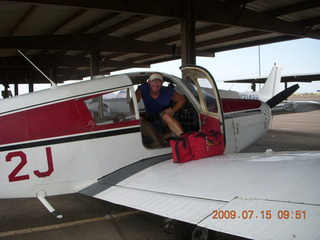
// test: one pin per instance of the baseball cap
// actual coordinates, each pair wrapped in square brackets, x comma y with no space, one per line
[154,76]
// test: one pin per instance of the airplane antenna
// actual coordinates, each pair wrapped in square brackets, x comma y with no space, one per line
[53,84]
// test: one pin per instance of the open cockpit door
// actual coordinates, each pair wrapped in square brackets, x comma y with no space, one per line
[207,95]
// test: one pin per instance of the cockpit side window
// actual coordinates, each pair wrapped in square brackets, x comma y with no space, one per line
[208,95]
[111,107]
[203,88]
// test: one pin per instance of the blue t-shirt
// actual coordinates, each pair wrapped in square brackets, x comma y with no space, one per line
[159,104]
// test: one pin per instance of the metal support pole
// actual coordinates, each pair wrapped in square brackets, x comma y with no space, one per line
[188,55]
[94,56]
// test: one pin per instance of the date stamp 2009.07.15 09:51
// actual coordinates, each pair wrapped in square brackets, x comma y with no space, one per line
[265,214]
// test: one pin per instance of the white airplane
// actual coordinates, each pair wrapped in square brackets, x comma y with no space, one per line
[69,139]
[272,88]
[269,89]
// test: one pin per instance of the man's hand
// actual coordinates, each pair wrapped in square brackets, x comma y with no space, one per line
[169,111]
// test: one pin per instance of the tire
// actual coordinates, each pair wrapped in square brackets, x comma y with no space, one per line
[186,231]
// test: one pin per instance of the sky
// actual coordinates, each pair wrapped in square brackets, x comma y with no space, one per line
[295,57]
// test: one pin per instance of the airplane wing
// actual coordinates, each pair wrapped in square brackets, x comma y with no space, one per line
[295,107]
[257,195]
[285,78]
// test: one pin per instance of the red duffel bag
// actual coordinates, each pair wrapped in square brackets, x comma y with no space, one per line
[204,145]
[181,151]
[196,145]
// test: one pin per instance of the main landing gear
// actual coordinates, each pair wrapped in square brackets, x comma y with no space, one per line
[186,231]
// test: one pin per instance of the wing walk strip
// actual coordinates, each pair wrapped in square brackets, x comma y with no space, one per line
[178,207]
[123,173]
[167,205]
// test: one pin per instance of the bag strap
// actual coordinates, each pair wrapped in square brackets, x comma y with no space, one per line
[212,133]
[177,151]
[176,146]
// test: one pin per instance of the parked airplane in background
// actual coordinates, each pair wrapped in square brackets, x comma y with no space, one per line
[271,88]
[81,138]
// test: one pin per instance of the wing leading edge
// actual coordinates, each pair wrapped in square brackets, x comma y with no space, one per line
[260,196]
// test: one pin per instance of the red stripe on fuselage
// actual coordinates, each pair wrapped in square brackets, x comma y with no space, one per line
[55,120]
[235,105]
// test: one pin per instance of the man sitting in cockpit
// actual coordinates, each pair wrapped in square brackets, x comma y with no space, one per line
[157,100]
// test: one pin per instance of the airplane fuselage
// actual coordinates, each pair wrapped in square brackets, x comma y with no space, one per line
[61,140]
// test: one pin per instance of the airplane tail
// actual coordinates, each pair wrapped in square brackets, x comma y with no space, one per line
[272,84]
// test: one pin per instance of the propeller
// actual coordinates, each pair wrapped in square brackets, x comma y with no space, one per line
[275,100]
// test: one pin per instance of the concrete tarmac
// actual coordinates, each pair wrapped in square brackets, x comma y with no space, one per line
[88,218]
[291,132]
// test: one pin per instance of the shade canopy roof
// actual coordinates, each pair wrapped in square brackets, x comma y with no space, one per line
[62,37]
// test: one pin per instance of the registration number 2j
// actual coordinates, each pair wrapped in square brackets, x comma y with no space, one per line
[15,174]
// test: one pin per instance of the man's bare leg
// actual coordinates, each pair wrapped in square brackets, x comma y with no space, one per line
[172,123]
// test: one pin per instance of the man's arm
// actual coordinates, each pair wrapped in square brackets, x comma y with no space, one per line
[180,102]
[138,96]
